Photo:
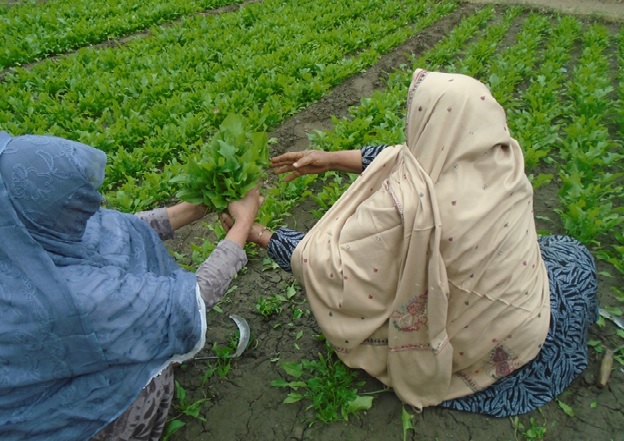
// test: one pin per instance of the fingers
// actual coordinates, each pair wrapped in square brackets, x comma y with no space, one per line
[290,161]
[294,175]
[286,159]
[226,221]
[246,209]
[295,162]
[283,169]
[304,160]
[254,193]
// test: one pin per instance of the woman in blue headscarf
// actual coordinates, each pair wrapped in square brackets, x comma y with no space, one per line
[94,309]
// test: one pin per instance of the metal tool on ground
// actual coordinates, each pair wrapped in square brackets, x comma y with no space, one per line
[243,339]
[617,321]
[606,365]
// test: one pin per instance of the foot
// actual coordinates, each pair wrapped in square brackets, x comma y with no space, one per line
[258,234]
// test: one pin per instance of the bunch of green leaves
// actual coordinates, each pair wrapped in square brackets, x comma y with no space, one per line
[229,166]
[268,306]
[328,384]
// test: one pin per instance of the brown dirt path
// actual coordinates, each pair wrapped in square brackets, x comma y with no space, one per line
[606,9]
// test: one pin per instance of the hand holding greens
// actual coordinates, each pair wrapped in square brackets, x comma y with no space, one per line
[228,166]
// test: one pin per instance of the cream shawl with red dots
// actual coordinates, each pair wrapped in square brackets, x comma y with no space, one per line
[427,272]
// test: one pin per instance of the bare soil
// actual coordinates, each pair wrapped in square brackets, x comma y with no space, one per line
[244,406]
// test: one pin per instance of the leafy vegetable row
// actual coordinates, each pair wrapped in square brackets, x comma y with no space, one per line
[32,30]
[151,103]
[588,197]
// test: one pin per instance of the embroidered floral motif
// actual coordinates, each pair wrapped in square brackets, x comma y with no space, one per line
[30,185]
[67,150]
[35,183]
[411,317]
[502,362]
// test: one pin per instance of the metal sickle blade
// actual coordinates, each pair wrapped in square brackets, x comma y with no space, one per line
[243,339]
[244,335]
[618,321]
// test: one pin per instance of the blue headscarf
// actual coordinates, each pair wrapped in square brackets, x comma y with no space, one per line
[93,306]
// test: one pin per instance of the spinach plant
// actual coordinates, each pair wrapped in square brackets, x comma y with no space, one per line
[228,167]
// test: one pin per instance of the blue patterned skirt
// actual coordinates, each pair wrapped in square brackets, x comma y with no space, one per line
[564,355]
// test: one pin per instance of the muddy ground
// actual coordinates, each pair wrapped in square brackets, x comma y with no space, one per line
[242,405]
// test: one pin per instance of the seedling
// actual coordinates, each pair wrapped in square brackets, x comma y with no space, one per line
[184,406]
[274,304]
[269,264]
[327,384]
[534,432]
[270,305]
[407,419]
[567,409]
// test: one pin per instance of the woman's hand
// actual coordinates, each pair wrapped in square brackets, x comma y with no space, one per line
[310,162]
[246,209]
[306,162]
[241,216]
[258,234]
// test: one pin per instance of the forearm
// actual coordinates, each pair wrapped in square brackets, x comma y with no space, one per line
[239,231]
[215,274]
[349,161]
[354,161]
[185,213]
[158,220]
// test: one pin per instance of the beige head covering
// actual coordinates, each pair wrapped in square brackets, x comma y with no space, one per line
[427,272]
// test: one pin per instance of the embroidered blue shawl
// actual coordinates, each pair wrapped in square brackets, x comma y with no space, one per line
[92,305]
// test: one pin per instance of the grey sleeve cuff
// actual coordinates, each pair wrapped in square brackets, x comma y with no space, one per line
[158,220]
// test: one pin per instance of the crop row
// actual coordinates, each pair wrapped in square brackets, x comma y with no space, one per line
[33,30]
[615,254]
[152,102]
[587,197]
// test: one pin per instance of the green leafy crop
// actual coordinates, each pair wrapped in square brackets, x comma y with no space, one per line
[330,386]
[228,166]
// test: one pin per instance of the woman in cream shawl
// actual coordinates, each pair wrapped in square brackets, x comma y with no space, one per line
[428,272]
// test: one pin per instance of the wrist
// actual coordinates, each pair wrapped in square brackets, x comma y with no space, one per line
[345,161]
[238,233]
[333,161]
[243,223]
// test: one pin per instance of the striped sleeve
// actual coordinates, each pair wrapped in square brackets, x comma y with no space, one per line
[369,153]
[282,245]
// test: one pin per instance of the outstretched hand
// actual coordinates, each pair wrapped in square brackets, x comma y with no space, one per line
[306,162]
